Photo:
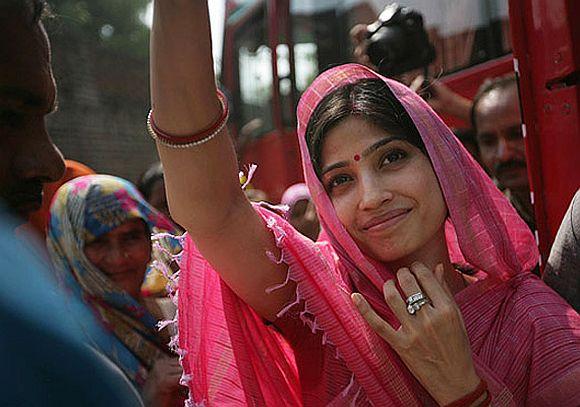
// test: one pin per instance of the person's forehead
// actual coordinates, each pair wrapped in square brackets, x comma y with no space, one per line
[498,100]
[498,107]
[352,134]
[129,226]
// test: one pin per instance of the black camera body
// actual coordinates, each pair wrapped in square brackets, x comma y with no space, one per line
[398,42]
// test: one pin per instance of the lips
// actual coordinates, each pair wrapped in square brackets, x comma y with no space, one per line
[385,220]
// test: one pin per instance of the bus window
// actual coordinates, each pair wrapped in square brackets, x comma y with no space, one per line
[464,33]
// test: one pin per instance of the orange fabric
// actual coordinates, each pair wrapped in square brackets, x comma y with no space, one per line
[39,219]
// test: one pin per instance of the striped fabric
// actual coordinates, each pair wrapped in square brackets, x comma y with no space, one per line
[525,339]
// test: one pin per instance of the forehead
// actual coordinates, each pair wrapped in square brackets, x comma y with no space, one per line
[351,136]
[25,71]
[498,105]
[133,225]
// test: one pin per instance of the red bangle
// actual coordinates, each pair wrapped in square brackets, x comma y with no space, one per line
[194,139]
[470,398]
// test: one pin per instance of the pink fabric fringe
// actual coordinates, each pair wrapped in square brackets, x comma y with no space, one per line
[525,339]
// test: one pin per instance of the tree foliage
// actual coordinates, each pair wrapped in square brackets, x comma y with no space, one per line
[115,24]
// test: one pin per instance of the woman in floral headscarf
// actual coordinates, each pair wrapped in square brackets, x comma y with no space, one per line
[398,198]
[99,239]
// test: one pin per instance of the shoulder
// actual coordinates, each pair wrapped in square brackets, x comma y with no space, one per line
[551,329]
[533,301]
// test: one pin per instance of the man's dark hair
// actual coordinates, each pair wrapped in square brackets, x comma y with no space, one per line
[32,10]
[369,99]
[501,82]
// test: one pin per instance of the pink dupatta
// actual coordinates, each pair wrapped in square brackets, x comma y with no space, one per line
[525,339]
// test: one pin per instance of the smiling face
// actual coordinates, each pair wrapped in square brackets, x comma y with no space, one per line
[123,255]
[28,158]
[384,191]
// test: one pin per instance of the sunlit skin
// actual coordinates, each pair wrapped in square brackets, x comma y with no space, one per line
[389,200]
[28,158]
[500,140]
[123,255]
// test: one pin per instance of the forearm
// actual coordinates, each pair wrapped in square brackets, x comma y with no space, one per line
[183,91]
[461,108]
[201,181]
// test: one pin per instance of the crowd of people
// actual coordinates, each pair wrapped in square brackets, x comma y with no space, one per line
[403,271]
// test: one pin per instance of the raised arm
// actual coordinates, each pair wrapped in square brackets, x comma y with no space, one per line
[202,183]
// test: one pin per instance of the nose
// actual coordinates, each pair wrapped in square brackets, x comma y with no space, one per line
[373,193]
[39,159]
[117,255]
[505,150]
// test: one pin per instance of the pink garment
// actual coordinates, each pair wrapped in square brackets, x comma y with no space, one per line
[525,339]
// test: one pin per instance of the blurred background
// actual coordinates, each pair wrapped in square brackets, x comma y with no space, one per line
[266,53]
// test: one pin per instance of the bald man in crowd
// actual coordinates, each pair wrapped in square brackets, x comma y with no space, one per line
[497,120]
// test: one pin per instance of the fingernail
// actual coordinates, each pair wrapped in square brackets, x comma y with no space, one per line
[355,297]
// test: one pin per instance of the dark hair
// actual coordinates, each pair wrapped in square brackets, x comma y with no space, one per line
[370,99]
[499,83]
[149,178]
[32,10]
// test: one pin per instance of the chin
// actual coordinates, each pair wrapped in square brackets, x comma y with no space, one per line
[387,252]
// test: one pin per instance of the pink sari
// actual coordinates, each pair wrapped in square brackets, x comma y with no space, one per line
[525,339]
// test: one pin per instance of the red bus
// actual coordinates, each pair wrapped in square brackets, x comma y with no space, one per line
[274,48]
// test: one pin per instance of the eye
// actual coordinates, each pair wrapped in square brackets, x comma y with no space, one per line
[134,236]
[393,156]
[487,140]
[95,245]
[337,181]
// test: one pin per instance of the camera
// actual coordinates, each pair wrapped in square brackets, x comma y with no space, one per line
[398,42]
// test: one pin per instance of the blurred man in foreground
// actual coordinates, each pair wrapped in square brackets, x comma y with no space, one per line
[28,158]
[45,358]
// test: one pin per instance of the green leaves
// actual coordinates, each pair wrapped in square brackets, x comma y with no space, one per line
[114,24]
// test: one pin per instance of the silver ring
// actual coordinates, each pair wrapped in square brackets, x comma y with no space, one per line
[415,297]
[416,301]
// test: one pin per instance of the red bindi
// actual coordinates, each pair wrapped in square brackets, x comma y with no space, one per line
[356,157]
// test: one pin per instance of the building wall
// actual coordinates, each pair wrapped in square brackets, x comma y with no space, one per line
[103,101]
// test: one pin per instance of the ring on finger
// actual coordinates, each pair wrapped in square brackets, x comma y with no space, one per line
[416,301]
[417,305]
[418,296]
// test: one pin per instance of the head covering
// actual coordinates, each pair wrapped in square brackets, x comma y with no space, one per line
[84,209]
[236,358]
[295,193]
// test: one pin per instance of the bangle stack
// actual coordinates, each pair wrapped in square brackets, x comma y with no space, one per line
[193,140]
[469,399]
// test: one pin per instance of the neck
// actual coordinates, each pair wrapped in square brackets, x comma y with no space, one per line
[431,254]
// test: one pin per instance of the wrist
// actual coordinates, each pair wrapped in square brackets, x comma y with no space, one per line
[478,397]
[453,390]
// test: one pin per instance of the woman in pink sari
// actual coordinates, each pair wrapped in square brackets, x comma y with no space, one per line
[374,313]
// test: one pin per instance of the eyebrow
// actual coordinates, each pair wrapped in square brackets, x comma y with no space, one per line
[27,98]
[369,150]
